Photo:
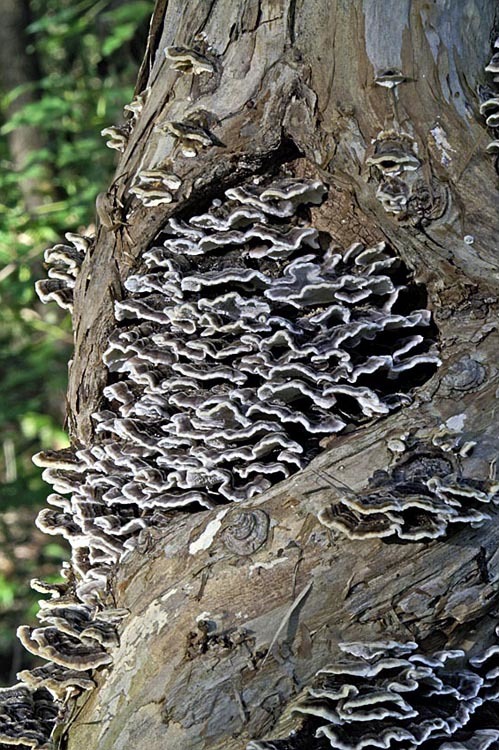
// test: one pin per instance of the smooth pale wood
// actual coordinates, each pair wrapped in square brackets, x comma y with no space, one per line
[295,76]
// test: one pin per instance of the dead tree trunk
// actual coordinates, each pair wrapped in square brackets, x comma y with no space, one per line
[232,612]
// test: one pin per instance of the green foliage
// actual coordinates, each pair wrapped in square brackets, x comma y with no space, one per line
[88,52]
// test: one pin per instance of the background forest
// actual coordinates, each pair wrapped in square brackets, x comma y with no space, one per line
[66,70]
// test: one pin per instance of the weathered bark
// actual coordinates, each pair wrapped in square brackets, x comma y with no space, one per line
[296,78]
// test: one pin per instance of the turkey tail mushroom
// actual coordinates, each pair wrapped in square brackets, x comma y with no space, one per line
[418,500]
[385,693]
[64,262]
[245,339]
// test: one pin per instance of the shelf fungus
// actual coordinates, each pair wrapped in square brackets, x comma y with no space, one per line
[56,646]
[153,187]
[489,102]
[417,500]
[190,136]
[402,188]
[393,154]
[27,717]
[117,136]
[487,665]
[59,681]
[188,61]
[63,262]
[390,78]
[387,694]
[133,110]
[245,338]
[243,342]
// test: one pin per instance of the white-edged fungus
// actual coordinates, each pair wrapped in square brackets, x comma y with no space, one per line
[390,78]
[190,136]
[56,679]
[228,376]
[384,693]
[244,339]
[393,194]
[68,651]
[133,110]
[117,137]
[393,155]
[154,187]
[493,64]
[27,717]
[418,500]
[188,61]
[63,262]
[489,102]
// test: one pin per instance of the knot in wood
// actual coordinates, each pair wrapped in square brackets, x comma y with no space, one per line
[467,374]
[247,532]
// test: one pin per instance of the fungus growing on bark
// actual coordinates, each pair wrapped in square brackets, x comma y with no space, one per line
[384,694]
[190,136]
[188,60]
[393,155]
[489,101]
[393,195]
[63,262]
[243,340]
[154,187]
[69,651]
[493,64]
[241,347]
[56,679]
[423,494]
[389,78]
[402,189]
[133,110]
[27,717]
[117,137]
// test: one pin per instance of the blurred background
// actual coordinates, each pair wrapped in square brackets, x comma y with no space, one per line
[67,68]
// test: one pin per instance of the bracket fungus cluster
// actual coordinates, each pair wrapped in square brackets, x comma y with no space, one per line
[404,188]
[395,161]
[489,100]
[416,501]
[132,111]
[74,639]
[190,136]
[64,262]
[386,694]
[154,187]
[118,135]
[26,717]
[245,339]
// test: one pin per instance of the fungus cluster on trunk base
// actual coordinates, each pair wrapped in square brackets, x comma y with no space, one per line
[26,717]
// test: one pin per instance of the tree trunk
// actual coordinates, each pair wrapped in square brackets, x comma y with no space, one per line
[225,632]
[19,69]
